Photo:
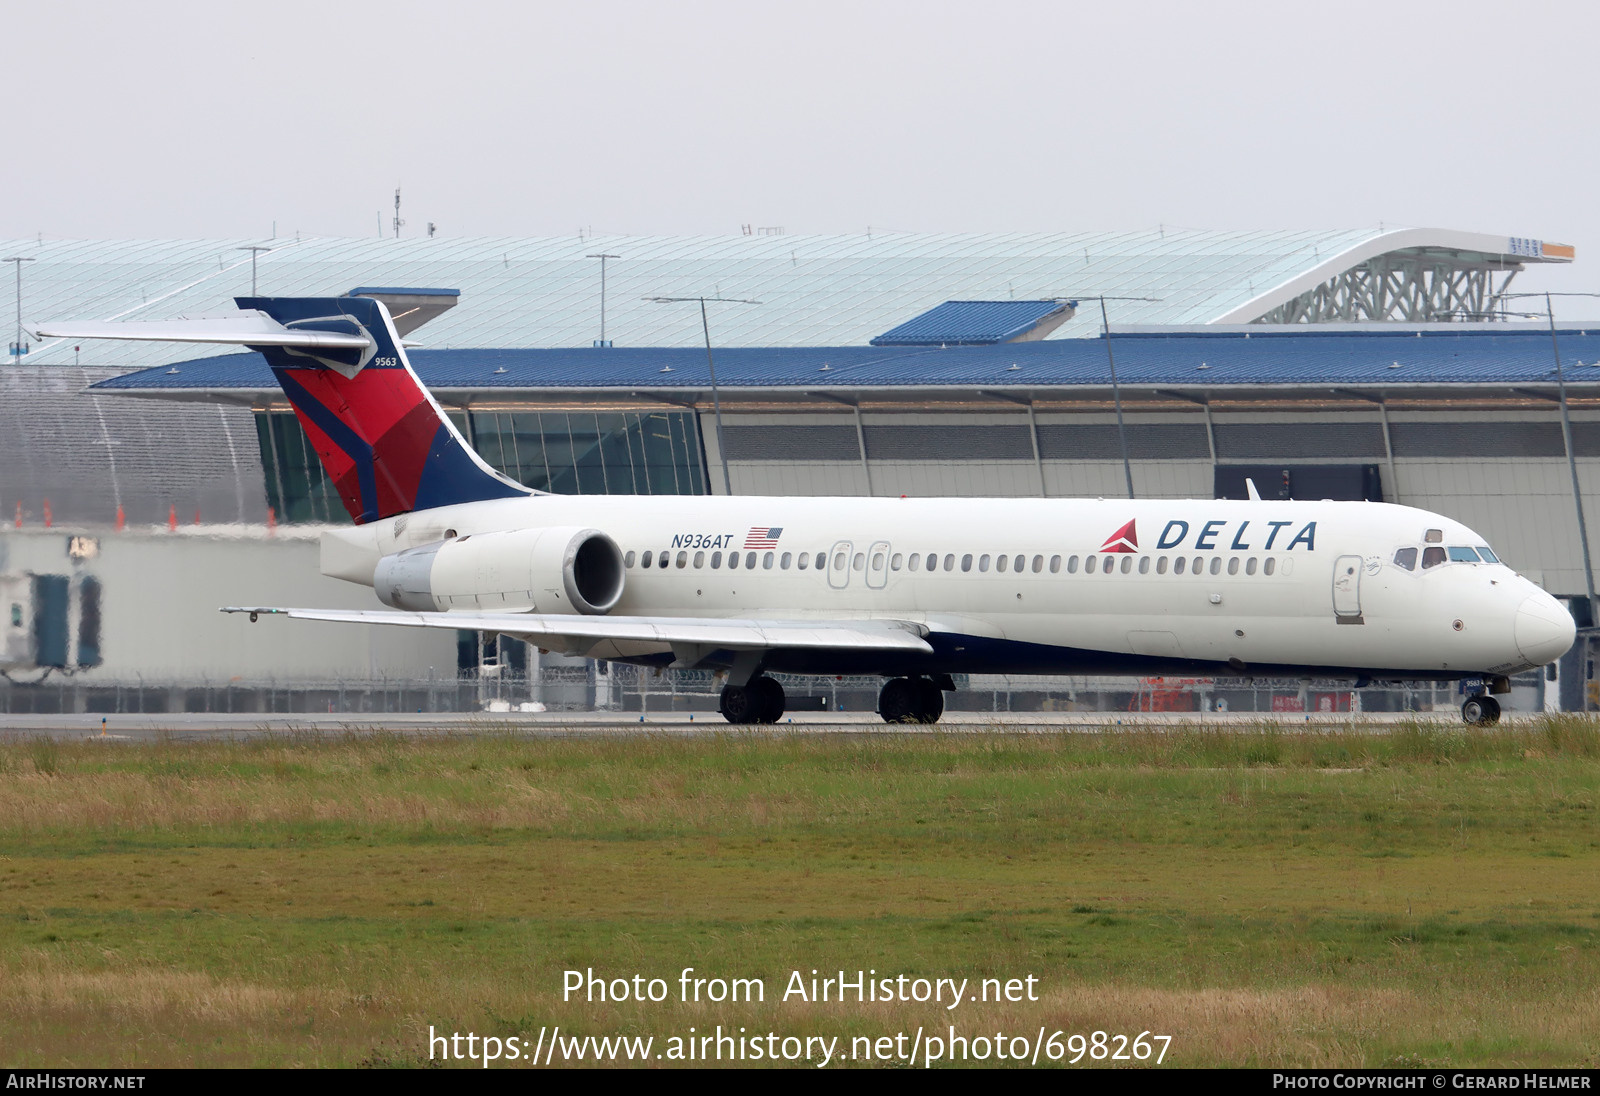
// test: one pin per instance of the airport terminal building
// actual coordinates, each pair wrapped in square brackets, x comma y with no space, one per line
[1392,366]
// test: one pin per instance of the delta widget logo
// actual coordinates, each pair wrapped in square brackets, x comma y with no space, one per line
[1125,539]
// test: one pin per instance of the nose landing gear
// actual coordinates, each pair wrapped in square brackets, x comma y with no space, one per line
[910,700]
[1479,711]
[761,701]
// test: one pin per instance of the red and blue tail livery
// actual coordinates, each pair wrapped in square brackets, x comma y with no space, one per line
[385,443]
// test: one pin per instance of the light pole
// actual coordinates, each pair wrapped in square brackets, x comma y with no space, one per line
[1116,390]
[716,400]
[1566,437]
[603,341]
[19,347]
[254,250]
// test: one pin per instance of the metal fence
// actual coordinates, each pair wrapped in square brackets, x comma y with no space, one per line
[621,688]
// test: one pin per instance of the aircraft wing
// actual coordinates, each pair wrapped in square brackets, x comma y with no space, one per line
[693,636]
[247,329]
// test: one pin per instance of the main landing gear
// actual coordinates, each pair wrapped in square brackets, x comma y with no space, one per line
[911,700]
[761,701]
[1480,711]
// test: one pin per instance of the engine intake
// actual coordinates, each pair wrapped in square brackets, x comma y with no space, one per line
[560,570]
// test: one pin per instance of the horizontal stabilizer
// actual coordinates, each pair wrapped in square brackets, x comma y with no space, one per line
[870,635]
[251,328]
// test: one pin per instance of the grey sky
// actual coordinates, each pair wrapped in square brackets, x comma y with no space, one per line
[164,119]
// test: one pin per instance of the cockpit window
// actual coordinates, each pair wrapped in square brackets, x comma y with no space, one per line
[1488,556]
[1462,555]
[1432,556]
[1433,536]
[1407,558]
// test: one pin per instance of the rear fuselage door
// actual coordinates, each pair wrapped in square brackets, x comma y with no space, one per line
[839,565]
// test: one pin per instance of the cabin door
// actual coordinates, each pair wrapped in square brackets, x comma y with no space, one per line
[1347,589]
[878,565]
[839,565]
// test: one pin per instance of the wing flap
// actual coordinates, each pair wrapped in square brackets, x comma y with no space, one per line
[685,632]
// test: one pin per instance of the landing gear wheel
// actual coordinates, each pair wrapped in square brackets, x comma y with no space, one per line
[761,701]
[737,705]
[910,700]
[1480,711]
[898,702]
[769,700]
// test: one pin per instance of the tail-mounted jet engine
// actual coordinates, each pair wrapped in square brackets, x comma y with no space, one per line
[563,570]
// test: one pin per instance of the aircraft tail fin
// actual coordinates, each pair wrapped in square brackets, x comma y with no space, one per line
[383,439]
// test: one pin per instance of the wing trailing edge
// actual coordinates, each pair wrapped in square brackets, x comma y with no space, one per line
[579,632]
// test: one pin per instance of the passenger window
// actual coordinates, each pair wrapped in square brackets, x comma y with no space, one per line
[1216,565]
[1250,566]
[1178,566]
[1198,566]
[767,560]
[1407,558]
[1038,564]
[1268,565]
[1144,565]
[1462,555]
[1432,556]
[805,558]
[966,562]
[822,558]
[662,560]
[839,561]
[749,561]
[784,562]
[983,562]
[1233,565]
[1055,565]
[716,560]
[627,560]
[860,562]
[699,560]
[1088,564]
[877,561]
[1001,563]
[1488,556]
[894,562]
[1127,565]
[1072,565]
[683,559]
[950,562]
[646,559]
[733,561]
[914,561]
[1161,565]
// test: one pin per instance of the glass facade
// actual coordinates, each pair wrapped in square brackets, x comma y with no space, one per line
[564,452]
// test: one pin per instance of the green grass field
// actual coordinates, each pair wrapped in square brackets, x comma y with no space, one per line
[1420,896]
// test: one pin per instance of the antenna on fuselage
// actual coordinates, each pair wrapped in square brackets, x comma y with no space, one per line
[1250,490]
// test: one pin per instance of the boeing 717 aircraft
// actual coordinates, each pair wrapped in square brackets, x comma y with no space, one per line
[914,590]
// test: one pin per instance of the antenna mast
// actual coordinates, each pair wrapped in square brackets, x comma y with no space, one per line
[397,221]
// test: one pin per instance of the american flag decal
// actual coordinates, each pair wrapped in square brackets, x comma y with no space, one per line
[763,537]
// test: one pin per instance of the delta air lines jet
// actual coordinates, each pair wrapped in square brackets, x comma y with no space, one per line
[915,590]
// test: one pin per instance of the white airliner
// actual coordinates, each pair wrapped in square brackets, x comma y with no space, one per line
[915,590]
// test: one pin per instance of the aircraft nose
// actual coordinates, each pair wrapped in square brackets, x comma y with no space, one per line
[1544,630]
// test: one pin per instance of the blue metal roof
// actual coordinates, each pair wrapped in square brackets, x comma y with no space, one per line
[1299,359]
[970,323]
